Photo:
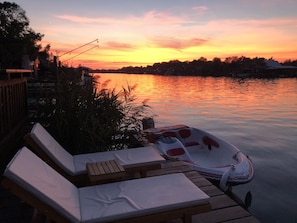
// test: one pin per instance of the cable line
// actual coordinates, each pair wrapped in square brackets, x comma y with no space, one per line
[96,40]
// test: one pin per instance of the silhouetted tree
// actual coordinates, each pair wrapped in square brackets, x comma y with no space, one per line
[17,39]
[231,67]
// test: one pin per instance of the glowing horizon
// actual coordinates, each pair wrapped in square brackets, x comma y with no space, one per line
[161,32]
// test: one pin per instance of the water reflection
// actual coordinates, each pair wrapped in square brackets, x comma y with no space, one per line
[212,97]
[258,116]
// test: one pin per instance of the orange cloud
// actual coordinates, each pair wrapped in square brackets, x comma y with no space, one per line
[200,8]
[161,18]
[112,45]
[150,17]
[79,19]
[176,43]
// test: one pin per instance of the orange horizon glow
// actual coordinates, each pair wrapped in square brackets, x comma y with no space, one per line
[111,57]
[155,36]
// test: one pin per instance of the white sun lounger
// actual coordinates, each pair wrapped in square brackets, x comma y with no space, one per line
[139,159]
[150,199]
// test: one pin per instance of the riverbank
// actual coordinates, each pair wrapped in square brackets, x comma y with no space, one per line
[237,67]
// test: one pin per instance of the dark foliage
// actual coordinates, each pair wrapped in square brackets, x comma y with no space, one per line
[17,39]
[230,67]
[86,119]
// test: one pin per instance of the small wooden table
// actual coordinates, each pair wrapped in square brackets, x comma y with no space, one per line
[105,170]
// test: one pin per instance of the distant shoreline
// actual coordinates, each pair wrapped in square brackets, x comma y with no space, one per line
[237,67]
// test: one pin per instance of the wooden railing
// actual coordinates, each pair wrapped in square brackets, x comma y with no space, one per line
[14,73]
[13,104]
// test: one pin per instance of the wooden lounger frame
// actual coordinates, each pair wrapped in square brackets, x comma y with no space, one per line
[50,213]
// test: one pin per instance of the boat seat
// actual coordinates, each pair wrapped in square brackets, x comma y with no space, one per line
[169,134]
[175,152]
[185,135]
[210,142]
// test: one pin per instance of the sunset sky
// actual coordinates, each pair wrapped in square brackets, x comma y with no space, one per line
[140,33]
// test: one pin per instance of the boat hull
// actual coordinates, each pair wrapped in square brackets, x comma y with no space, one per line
[212,157]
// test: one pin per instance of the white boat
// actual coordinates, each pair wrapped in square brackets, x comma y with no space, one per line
[212,157]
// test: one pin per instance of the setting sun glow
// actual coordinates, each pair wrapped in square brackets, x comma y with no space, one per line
[134,33]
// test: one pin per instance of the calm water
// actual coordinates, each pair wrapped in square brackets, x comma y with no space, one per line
[258,116]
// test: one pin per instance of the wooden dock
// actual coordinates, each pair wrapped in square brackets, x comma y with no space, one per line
[224,209]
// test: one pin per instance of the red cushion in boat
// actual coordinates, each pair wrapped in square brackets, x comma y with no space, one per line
[209,141]
[169,134]
[184,133]
[175,152]
[192,143]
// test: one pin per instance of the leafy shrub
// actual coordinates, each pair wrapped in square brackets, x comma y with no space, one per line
[86,119]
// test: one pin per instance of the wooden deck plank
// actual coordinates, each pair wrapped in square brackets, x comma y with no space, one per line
[249,219]
[220,215]
[222,201]
[211,190]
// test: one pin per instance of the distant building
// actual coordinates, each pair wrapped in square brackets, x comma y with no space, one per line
[273,64]
[275,69]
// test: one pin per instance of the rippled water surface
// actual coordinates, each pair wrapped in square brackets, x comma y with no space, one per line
[258,116]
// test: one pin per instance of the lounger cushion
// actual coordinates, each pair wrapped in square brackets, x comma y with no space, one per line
[106,202]
[52,148]
[109,202]
[31,173]
[126,157]
[75,165]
